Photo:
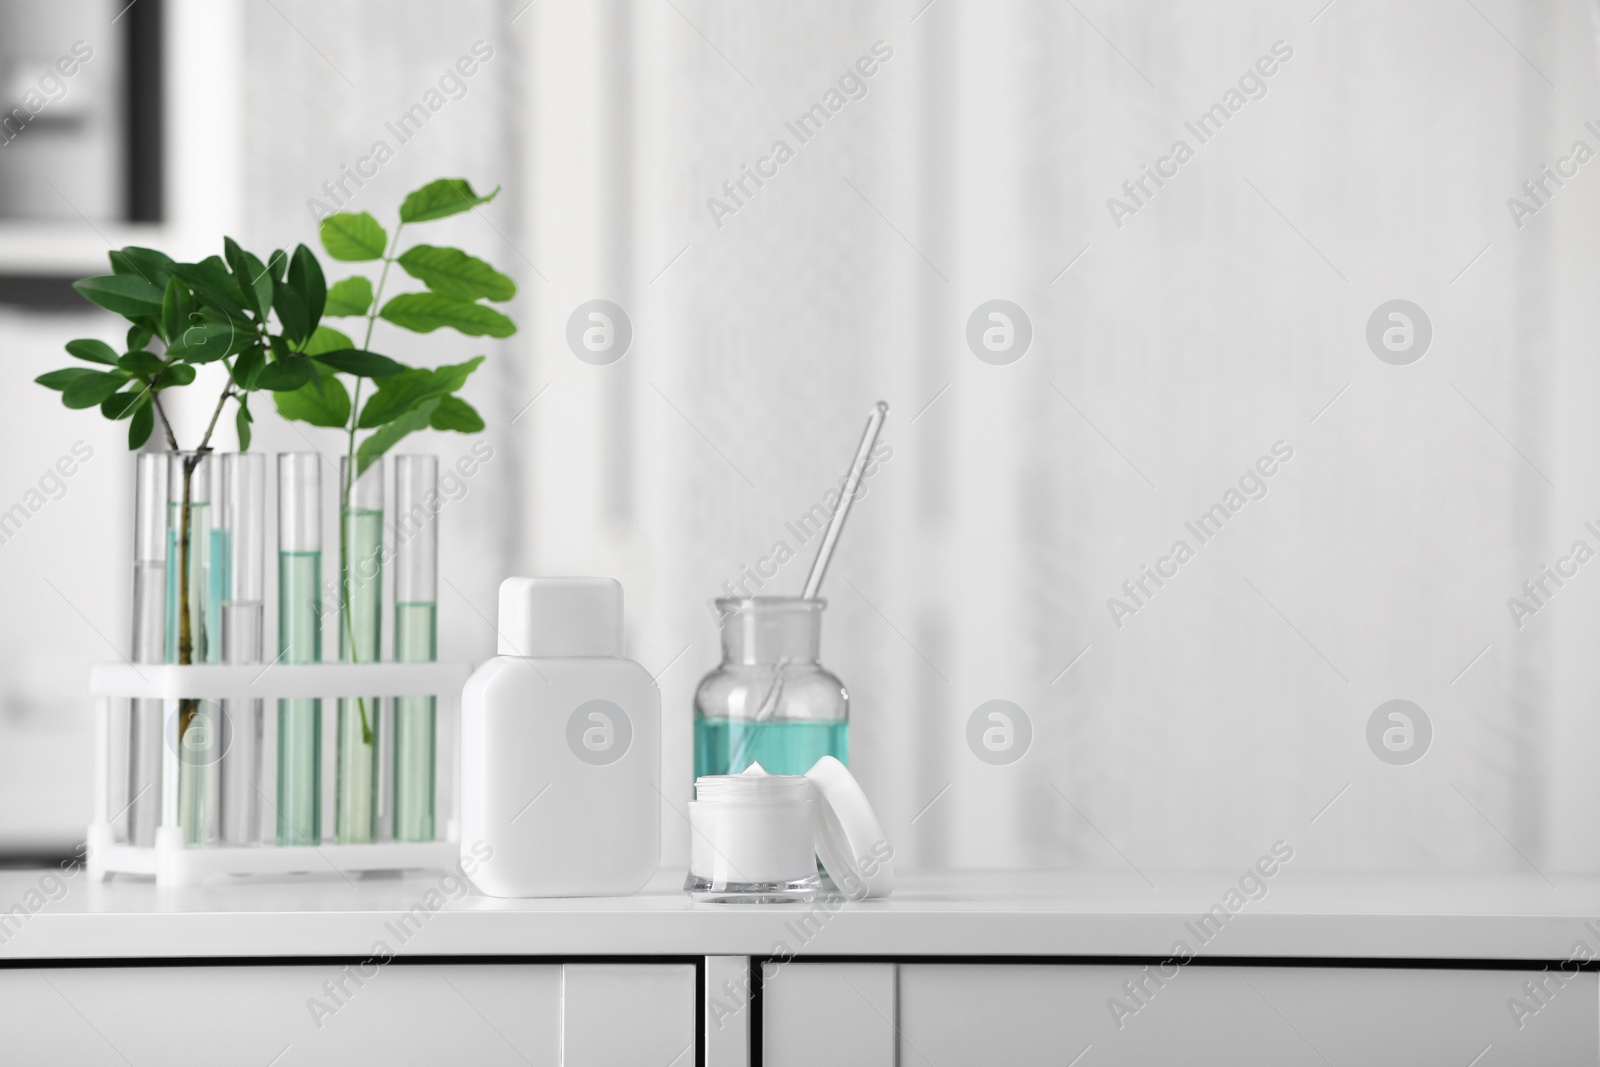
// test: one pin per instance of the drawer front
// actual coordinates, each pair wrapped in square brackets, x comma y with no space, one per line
[512,1014]
[1282,1016]
[840,1014]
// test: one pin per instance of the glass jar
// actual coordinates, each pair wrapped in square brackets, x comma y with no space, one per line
[770,701]
[752,840]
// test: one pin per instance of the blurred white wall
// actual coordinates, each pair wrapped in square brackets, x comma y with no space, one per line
[1227,313]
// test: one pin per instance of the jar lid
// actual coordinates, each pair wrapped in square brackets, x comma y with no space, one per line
[850,839]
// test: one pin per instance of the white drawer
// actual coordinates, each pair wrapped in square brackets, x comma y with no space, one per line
[1240,1016]
[883,1014]
[402,1013]
[840,1014]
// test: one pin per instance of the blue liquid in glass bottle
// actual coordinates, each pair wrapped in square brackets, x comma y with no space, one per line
[770,701]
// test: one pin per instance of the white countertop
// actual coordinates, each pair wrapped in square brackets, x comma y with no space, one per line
[1305,914]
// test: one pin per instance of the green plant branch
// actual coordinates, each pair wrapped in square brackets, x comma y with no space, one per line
[188,709]
[349,481]
[216,413]
[155,399]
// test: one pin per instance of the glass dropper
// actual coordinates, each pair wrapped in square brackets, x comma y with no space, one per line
[869,438]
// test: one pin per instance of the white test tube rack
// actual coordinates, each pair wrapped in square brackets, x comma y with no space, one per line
[169,860]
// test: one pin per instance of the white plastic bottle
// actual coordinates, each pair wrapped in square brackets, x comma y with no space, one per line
[561,748]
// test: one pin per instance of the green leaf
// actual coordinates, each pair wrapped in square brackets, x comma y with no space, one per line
[209,339]
[330,407]
[396,395]
[277,264]
[263,283]
[426,312]
[244,277]
[248,366]
[121,405]
[360,363]
[129,295]
[60,379]
[293,312]
[91,390]
[251,276]
[403,392]
[390,434]
[351,296]
[452,376]
[214,286]
[176,306]
[138,338]
[143,364]
[326,339]
[305,274]
[353,237]
[154,267]
[93,351]
[438,199]
[451,272]
[176,374]
[285,375]
[241,423]
[456,414]
[144,421]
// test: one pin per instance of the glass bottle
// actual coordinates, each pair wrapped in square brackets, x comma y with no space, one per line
[416,616]
[355,813]
[770,701]
[193,625]
[299,641]
[149,644]
[241,524]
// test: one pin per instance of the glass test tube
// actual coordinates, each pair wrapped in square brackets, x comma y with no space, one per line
[192,626]
[149,644]
[355,813]
[241,520]
[299,641]
[416,584]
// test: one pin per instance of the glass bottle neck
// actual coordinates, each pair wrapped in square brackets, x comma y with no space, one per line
[756,633]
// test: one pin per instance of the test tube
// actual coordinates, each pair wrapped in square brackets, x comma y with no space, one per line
[241,536]
[193,637]
[149,641]
[355,811]
[416,583]
[299,641]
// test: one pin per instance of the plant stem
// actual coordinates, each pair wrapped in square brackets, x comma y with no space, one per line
[205,442]
[189,707]
[349,483]
[172,442]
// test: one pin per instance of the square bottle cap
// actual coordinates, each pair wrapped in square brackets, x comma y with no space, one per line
[549,618]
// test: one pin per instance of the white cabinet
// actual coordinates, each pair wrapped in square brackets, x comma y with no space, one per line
[402,1013]
[116,973]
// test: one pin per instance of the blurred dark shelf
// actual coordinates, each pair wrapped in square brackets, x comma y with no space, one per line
[38,856]
[43,292]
